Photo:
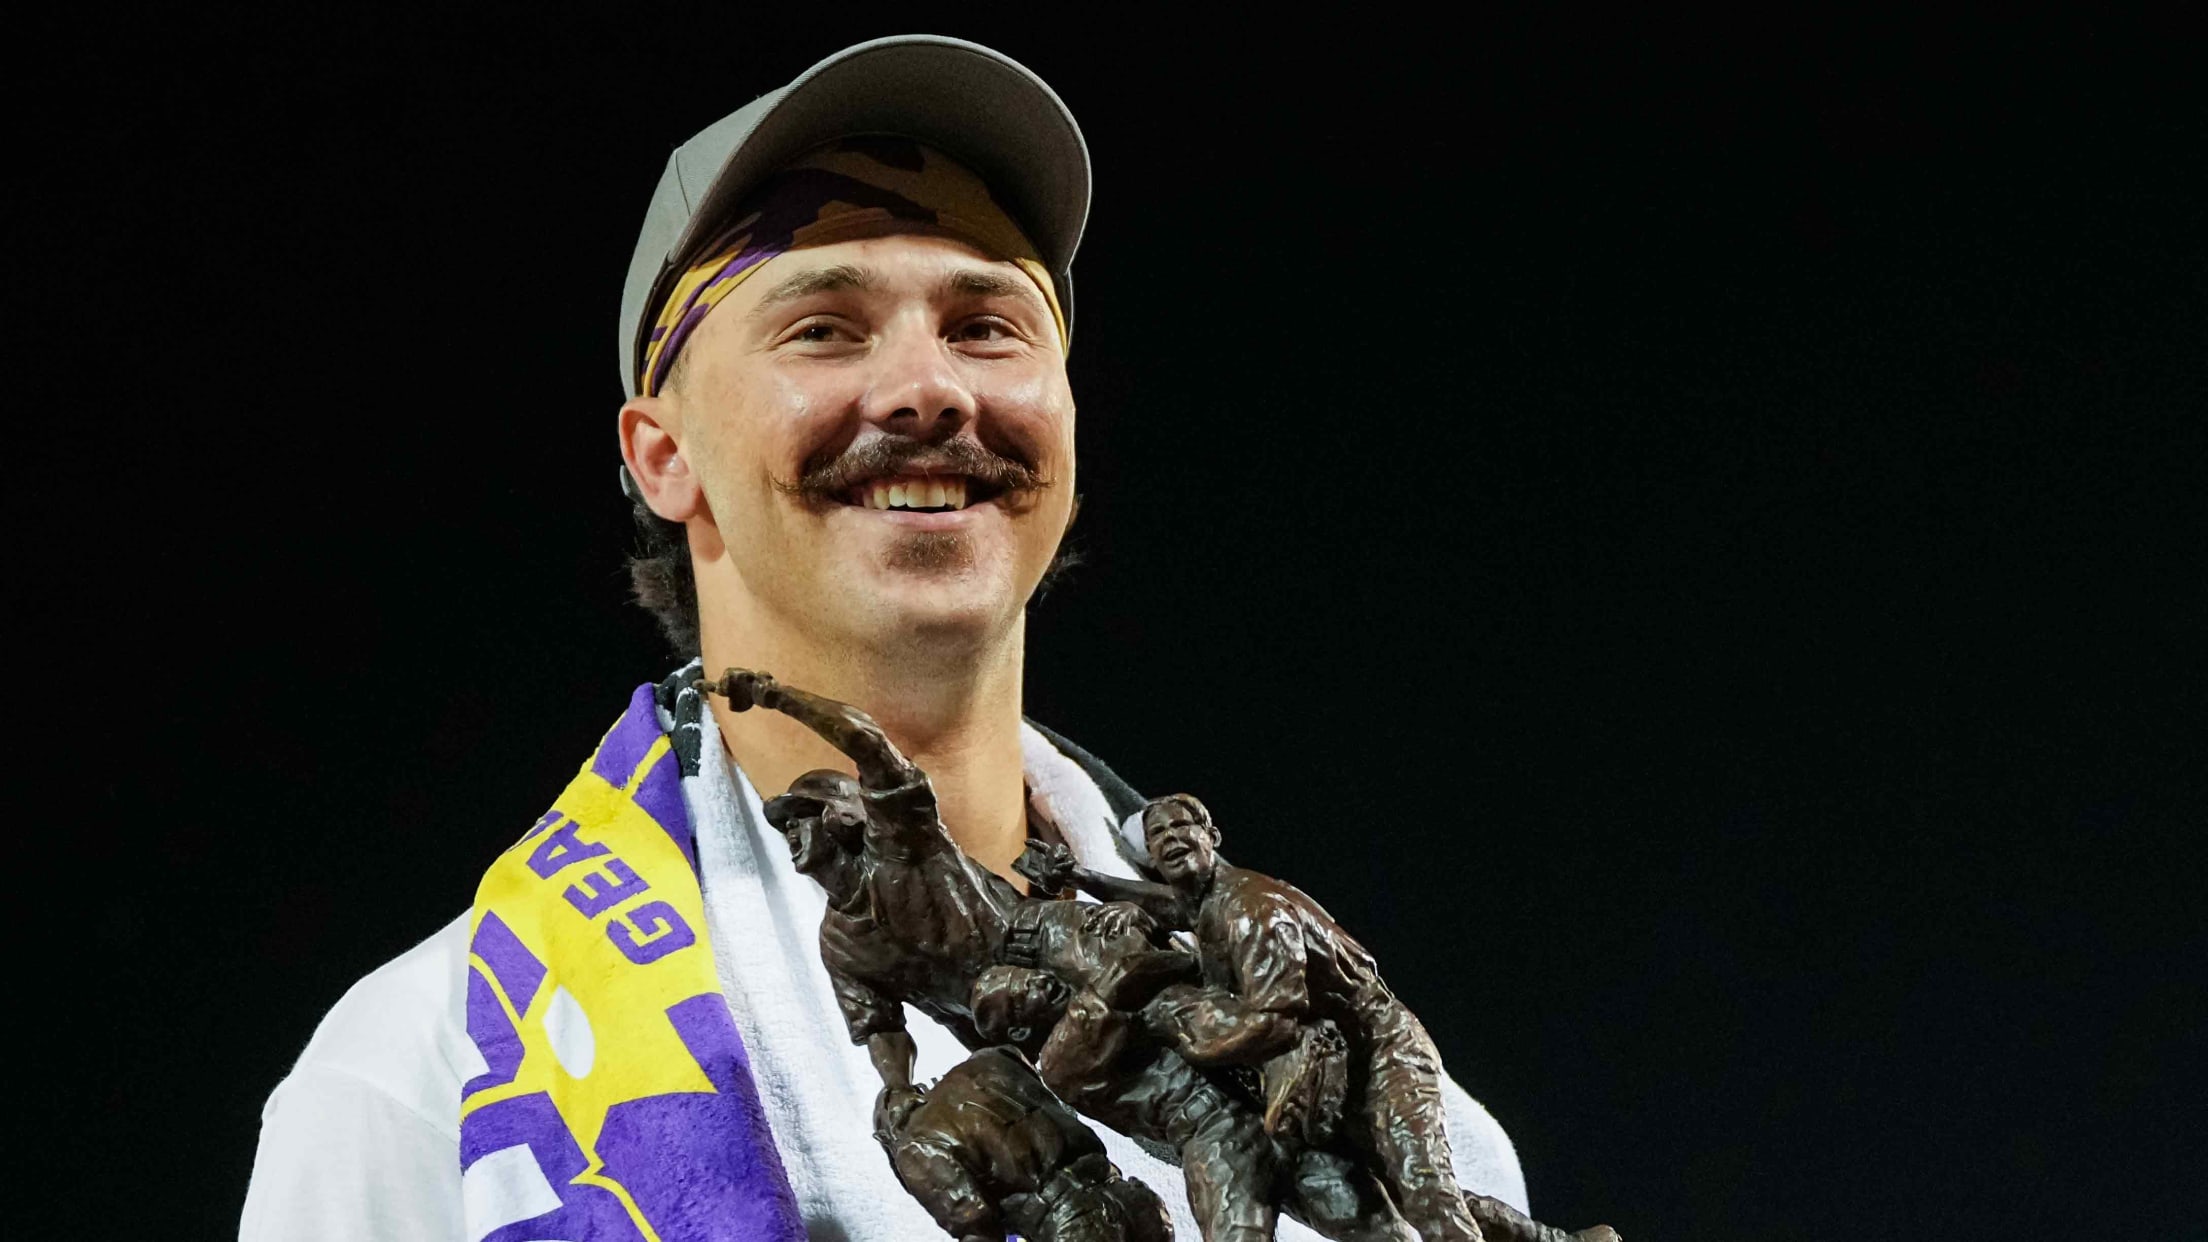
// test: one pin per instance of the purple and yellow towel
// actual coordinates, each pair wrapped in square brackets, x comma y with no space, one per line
[615,1099]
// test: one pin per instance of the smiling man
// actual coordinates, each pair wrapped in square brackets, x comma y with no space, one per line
[849,442]
[869,443]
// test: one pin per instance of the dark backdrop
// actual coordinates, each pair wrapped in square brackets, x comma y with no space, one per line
[1685,537]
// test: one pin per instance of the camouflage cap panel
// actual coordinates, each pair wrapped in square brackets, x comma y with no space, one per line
[825,196]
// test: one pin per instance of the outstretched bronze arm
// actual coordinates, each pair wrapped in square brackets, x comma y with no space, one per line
[881,765]
[1211,1026]
[893,1053]
[1050,868]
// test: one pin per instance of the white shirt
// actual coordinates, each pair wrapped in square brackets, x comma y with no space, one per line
[360,1143]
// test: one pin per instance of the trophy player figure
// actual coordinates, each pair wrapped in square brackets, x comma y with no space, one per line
[1106,1062]
[989,1150]
[911,918]
[1278,962]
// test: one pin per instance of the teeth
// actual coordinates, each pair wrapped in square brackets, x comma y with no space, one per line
[915,493]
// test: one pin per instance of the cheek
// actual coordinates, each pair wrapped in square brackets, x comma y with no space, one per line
[759,428]
[720,441]
[1032,416]
[802,417]
[1042,433]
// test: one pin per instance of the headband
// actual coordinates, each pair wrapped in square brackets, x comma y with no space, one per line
[825,195]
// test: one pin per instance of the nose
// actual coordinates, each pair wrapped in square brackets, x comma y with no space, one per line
[916,391]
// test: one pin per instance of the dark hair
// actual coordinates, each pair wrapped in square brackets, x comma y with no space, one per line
[661,580]
[1188,802]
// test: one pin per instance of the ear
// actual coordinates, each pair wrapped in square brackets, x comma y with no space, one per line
[655,459]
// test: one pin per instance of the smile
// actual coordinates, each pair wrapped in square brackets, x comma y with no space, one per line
[919,493]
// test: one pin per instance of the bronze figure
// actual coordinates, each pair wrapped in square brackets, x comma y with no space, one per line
[1109,1064]
[1276,962]
[988,1150]
[1273,1059]
[912,919]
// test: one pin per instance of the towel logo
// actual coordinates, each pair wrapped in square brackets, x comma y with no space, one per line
[645,933]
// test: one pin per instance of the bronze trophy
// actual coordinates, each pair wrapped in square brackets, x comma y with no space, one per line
[1270,1058]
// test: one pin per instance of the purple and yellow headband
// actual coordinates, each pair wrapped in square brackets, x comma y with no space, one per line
[824,195]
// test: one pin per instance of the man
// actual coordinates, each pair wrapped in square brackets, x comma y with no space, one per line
[1280,963]
[989,1151]
[849,435]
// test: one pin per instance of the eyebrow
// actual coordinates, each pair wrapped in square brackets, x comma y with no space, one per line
[846,277]
[983,283]
[842,276]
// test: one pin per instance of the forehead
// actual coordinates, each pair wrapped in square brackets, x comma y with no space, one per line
[892,257]
[1172,816]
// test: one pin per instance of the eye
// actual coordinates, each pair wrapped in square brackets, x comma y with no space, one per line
[819,330]
[988,328]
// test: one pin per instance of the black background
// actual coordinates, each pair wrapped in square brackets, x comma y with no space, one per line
[1686,537]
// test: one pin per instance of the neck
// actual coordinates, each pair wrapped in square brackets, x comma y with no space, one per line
[1193,888]
[955,716]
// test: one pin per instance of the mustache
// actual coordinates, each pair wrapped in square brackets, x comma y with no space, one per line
[830,478]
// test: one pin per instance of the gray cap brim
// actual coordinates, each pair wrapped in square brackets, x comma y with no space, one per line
[977,106]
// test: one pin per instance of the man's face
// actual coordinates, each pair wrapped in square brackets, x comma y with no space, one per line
[1018,1005]
[816,851]
[814,844]
[822,819]
[1181,845]
[883,434]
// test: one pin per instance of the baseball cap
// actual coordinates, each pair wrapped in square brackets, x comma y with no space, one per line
[976,105]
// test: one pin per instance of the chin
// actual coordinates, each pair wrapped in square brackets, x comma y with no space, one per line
[944,625]
[957,604]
